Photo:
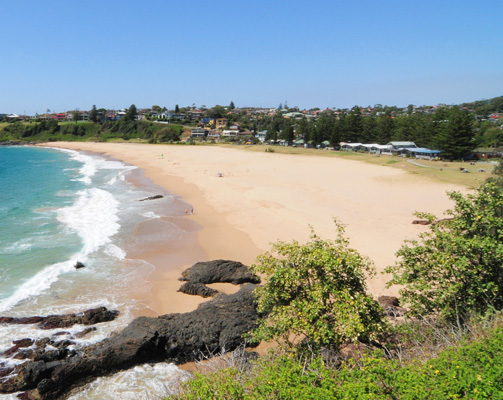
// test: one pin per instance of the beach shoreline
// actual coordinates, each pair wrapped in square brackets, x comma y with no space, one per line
[243,201]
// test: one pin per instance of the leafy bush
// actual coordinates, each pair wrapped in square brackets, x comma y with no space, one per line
[316,290]
[456,268]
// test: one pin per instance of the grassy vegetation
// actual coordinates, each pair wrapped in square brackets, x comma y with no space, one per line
[466,365]
[440,171]
[49,131]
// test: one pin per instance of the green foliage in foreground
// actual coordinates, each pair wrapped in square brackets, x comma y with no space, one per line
[469,371]
[456,268]
[316,290]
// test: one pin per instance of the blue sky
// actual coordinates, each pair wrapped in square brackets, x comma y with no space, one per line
[62,55]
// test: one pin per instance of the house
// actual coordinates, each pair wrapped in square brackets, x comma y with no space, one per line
[350,146]
[195,114]
[198,133]
[370,148]
[59,116]
[402,145]
[221,123]
[375,148]
[16,116]
[229,133]
[420,153]
[261,135]
[215,135]
[3,116]
[45,117]
[293,115]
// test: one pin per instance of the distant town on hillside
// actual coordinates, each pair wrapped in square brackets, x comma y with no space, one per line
[484,109]
[447,131]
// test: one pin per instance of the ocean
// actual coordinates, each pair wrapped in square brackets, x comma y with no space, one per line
[58,207]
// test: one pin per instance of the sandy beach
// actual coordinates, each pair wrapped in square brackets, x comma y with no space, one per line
[243,201]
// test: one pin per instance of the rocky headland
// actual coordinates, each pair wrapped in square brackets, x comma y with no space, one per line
[214,327]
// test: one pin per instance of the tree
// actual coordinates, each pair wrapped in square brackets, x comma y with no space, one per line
[492,137]
[324,128]
[303,129]
[177,109]
[456,268]
[316,290]
[169,134]
[354,125]
[217,112]
[232,106]
[76,115]
[131,113]
[370,129]
[157,109]
[386,127]
[275,126]
[455,135]
[93,115]
[497,175]
[287,131]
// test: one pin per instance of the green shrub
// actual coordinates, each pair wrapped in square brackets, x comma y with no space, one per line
[316,290]
[456,268]
[473,370]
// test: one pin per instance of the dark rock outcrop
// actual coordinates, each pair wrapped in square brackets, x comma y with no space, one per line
[213,327]
[79,265]
[157,196]
[197,289]
[391,306]
[225,271]
[88,317]
[222,271]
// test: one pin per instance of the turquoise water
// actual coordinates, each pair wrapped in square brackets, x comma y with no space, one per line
[58,207]
[34,184]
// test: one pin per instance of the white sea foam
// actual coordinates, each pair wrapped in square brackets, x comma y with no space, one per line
[93,217]
[144,382]
[37,284]
[18,247]
[115,251]
[92,164]
[150,215]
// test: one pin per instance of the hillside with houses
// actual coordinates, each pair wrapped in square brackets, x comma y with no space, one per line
[448,131]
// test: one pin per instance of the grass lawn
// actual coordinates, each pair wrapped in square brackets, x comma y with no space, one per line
[440,171]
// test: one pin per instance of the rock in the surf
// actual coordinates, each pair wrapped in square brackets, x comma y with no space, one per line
[155,197]
[213,327]
[88,317]
[79,265]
